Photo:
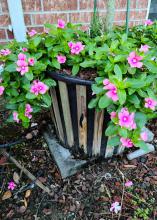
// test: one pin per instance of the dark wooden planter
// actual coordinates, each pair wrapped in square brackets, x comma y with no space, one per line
[76,125]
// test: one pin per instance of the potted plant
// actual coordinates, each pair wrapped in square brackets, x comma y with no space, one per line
[113,74]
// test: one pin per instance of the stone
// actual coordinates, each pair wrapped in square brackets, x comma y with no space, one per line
[62,156]
[150,134]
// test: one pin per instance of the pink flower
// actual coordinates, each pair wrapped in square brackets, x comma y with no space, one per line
[42,88]
[144,136]
[113,115]
[76,48]
[1,90]
[5,52]
[148,22]
[61,23]
[144,48]
[24,49]
[150,103]
[31,61]
[1,79]
[38,88]
[126,119]
[112,93]
[15,117]
[32,33]
[11,185]
[61,59]
[134,59]
[106,82]
[70,44]
[126,142]
[22,67]
[115,207]
[22,56]
[128,183]
[28,110]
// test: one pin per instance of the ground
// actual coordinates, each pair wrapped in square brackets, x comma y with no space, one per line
[86,195]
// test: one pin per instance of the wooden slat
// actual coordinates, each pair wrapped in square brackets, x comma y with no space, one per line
[98,129]
[120,149]
[66,112]
[82,115]
[109,151]
[57,114]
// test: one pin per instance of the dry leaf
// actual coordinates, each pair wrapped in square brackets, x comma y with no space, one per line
[25,203]
[129,166]
[16,177]
[7,195]
[28,193]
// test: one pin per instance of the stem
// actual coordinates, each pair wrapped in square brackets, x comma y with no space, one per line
[110,15]
[127,16]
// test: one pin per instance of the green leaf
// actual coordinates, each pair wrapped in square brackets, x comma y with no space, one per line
[111,130]
[93,102]
[136,83]
[152,67]
[118,72]
[113,141]
[30,96]
[29,76]
[75,69]
[142,145]
[123,132]
[97,89]
[11,106]
[36,41]
[104,102]
[119,58]
[56,64]
[121,96]
[47,100]
[11,67]
[49,82]
[114,44]
[134,99]
[140,119]
[88,63]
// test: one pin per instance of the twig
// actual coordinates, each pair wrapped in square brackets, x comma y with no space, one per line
[122,198]
[30,175]
[36,215]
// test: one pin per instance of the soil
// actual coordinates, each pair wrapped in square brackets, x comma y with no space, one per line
[85,74]
[86,195]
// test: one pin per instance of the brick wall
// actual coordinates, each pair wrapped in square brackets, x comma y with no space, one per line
[38,12]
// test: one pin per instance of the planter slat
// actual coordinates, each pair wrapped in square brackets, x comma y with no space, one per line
[120,149]
[82,116]
[57,115]
[98,127]
[66,113]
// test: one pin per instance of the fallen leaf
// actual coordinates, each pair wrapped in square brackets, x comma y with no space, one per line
[129,166]
[22,209]
[28,193]
[16,177]
[3,160]
[25,202]
[10,214]
[47,211]
[7,195]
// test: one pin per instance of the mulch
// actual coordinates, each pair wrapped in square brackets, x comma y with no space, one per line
[86,195]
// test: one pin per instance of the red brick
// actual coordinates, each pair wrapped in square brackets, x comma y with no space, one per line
[3,42]
[10,34]
[138,15]
[120,16]
[2,34]
[82,17]
[48,18]
[88,4]
[38,29]
[122,4]
[27,19]
[4,20]
[31,5]
[142,4]
[59,5]
[4,5]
